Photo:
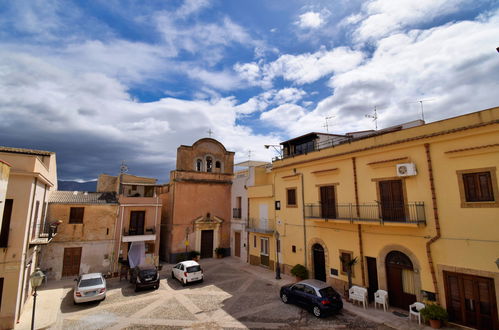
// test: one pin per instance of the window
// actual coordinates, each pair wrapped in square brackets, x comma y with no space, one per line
[264,246]
[291,196]
[199,165]
[7,212]
[309,290]
[478,187]
[293,248]
[134,187]
[328,202]
[76,215]
[346,257]
[209,164]
[35,218]
[148,191]
[218,164]
[254,241]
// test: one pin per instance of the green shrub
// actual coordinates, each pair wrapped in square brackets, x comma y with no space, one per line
[220,251]
[300,271]
[434,312]
[194,254]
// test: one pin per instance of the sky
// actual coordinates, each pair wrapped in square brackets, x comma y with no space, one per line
[103,81]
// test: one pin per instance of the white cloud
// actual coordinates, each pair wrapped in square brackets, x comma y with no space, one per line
[190,7]
[310,20]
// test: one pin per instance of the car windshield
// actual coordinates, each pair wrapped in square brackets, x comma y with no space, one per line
[148,272]
[193,269]
[327,292]
[90,282]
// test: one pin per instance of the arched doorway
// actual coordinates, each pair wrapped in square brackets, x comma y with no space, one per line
[319,262]
[400,280]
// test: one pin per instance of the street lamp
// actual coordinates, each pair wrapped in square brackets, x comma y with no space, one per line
[36,279]
[277,267]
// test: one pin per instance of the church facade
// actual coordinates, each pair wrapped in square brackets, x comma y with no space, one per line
[196,209]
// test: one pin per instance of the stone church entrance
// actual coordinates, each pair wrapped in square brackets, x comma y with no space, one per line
[206,243]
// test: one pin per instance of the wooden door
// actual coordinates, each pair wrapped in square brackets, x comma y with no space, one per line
[71,262]
[264,251]
[237,244]
[471,300]
[392,200]
[328,203]
[396,263]
[372,274]
[207,244]
[137,222]
[319,262]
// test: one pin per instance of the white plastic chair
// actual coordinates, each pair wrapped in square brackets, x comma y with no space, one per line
[357,293]
[418,306]
[381,297]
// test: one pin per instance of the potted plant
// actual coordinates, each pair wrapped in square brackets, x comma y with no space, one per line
[300,272]
[434,313]
[194,255]
[220,252]
[349,266]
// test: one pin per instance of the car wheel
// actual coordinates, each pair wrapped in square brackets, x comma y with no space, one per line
[284,298]
[173,276]
[184,282]
[201,281]
[317,311]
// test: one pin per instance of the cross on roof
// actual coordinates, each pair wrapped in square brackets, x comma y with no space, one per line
[210,132]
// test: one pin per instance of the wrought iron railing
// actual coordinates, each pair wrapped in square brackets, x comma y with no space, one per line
[236,213]
[261,225]
[413,212]
[134,232]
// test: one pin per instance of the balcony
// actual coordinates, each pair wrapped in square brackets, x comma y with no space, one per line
[139,235]
[236,213]
[46,232]
[376,213]
[264,226]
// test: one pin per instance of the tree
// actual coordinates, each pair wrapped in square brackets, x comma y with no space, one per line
[349,263]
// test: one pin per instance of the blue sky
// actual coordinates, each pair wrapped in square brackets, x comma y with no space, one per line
[99,82]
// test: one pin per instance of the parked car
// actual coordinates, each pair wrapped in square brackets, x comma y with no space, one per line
[144,276]
[313,295]
[187,271]
[89,287]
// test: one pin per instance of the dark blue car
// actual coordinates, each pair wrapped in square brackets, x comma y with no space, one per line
[314,295]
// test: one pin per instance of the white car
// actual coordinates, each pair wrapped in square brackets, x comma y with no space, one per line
[187,271]
[89,287]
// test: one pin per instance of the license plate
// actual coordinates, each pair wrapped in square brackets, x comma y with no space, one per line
[148,278]
[91,293]
[195,278]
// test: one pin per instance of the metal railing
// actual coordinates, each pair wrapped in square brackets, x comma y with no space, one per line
[413,212]
[261,225]
[47,230]
[236,213]
[135,232]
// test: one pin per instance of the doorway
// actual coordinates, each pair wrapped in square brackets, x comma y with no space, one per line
[319,262]
[207,244]
[137,220]
[71,261]
[400,279]
[392,200]
[328,203]
[372,276]
[471,300]
[237,244]
[264,251]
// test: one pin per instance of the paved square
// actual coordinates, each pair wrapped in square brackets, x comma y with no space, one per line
[229,298]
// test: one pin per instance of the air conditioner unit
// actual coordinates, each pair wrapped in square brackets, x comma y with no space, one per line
[407,169]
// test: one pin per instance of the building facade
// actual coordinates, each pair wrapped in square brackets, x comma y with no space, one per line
[85,234]
[196,202]
[415,205]
[24,231]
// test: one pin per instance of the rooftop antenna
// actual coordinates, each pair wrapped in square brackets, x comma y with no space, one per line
[249,155]
[210,132]
[374,117]
[123,167]
[421,102]
[326,125]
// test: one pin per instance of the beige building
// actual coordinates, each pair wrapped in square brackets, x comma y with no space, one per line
[196,202]
[136,237]
[4,181]
[33,175]
[85,235]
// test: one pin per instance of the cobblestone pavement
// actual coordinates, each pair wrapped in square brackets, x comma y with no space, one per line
[228,298]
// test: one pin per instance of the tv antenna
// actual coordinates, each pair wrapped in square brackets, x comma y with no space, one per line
[374,117]
[326,125]
[249,155]
[421,103]
[123,167]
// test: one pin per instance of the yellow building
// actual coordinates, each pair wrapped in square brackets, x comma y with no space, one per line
[33,174]
[417,205]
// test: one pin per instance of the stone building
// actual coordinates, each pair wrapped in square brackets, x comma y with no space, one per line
[85,236]
[24,231]
[196,202]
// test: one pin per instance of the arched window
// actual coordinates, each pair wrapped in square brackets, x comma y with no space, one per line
[217,164]
[209,164]
[199,165]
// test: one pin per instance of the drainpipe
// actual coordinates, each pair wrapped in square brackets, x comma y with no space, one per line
[303,217]
[359,226]
[437,222]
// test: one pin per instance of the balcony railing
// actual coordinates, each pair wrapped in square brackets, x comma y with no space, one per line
[236,213]
[413,212]
[45,232]
[134,232]
[261,225]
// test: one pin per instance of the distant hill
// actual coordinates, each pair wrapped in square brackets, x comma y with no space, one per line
[90,186]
